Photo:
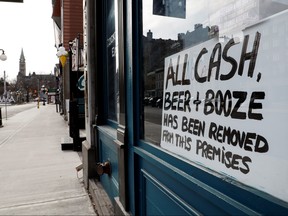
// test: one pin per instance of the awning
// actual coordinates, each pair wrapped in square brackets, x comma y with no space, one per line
[56,13]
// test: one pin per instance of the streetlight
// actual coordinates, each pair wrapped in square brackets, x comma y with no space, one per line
[3,57]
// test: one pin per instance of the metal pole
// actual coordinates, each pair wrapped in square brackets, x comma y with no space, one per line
[38,101]
[1,118]
[5,93]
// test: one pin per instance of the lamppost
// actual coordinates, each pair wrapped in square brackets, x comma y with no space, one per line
[3,57]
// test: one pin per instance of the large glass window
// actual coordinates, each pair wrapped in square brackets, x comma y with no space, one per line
[111,63]
[168,28]
[215,83]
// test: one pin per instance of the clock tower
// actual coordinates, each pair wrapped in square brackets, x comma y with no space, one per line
[22,64]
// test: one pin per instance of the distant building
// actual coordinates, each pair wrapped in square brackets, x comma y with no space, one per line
[198,35]
[22,64]
[156,50]
[29,86]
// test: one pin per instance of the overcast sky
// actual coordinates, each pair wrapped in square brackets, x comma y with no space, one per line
[29,26]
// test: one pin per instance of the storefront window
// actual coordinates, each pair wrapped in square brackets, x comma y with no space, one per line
[215,84]
[112,73]
[168,28]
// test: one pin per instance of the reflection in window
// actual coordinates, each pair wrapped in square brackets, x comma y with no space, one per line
[168,41]
[112,74]
[172,8]
[165,34]
[231,17]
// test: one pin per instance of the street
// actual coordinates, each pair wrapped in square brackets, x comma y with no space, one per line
[153,114]
[15,109]
[153,118]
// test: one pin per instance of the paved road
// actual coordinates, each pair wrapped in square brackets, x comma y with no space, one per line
[153,118]
[153,114]
[14,109]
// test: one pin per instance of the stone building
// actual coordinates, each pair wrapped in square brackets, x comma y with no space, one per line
[28,86]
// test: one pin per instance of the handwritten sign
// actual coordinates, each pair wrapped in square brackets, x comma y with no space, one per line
[225,106]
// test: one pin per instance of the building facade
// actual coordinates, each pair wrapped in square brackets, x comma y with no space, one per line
[68,26]
[217,144]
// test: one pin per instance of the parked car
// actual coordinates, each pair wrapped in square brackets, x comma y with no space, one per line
[159,103]
[146,100]
[152,101]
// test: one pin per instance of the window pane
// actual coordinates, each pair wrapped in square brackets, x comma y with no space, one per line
[112,73]
[221,69]
[172,26]
[167,29]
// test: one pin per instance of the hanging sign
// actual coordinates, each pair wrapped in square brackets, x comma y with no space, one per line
[81,83]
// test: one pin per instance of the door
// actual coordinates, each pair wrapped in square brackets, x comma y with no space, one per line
[206,83]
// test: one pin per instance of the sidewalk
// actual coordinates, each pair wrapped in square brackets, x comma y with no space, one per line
[36,176]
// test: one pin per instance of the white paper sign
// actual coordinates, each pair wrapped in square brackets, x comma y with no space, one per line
[226,106]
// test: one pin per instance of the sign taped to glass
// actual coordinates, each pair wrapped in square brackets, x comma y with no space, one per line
[219,103]
[170,8]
